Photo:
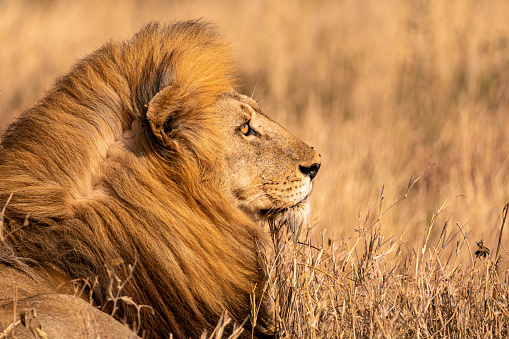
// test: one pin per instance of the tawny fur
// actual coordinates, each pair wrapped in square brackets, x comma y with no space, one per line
[97,183]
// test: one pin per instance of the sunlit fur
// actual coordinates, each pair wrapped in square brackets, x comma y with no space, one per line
[97,183]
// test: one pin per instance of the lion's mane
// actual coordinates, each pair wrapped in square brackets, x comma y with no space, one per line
[97,185]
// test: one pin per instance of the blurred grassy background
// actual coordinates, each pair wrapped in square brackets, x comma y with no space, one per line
[381,89]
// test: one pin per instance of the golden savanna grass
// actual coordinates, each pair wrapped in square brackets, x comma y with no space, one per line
[382,90]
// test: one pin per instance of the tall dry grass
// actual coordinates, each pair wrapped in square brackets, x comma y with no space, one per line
[383,90]
[370,288]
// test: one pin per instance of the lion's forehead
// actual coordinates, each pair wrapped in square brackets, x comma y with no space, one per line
[245,100]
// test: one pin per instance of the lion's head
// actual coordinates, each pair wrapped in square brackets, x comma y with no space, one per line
[263,169]
[144,152]
[268,173]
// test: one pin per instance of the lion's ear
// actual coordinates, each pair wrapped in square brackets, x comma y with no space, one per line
[163,112]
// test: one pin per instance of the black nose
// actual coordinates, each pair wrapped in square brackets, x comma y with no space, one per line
[311,170]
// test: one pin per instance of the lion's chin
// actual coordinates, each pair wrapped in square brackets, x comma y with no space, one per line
[294,217]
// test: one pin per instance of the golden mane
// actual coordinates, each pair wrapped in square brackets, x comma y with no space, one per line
[97,185]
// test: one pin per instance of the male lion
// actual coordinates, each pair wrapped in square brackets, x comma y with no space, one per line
[144,153]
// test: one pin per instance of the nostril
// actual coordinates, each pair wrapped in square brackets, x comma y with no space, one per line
[311,170]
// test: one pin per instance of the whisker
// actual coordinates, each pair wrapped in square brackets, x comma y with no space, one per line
[254,89]
[279,207]
[259,95]
[253,199]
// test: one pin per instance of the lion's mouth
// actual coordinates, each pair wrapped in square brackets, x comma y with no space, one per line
[277,211]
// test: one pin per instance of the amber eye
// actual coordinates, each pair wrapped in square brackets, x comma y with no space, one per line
[244,128]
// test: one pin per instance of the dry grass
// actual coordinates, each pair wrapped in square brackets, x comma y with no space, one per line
[382,90]
[370,286]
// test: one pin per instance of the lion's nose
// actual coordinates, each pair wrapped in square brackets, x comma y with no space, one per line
[311,170]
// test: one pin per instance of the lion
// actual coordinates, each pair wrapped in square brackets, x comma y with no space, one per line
[145,154]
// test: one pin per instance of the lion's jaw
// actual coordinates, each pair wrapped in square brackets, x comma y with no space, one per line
[268,173]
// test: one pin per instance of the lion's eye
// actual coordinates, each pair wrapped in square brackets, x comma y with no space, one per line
[244,128]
